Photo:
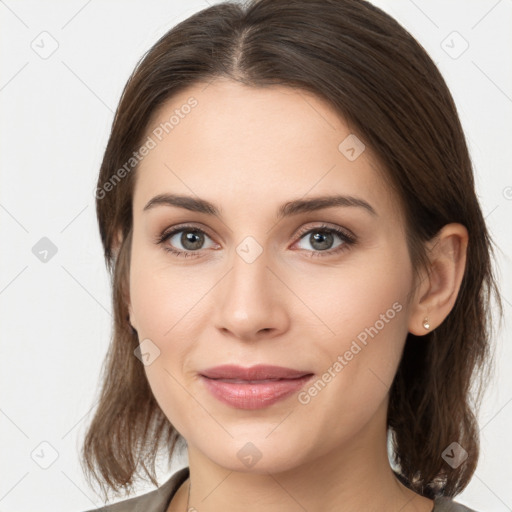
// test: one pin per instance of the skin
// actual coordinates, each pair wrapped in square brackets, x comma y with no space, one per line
[249,150]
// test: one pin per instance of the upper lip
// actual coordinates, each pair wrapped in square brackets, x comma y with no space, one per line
[258,372]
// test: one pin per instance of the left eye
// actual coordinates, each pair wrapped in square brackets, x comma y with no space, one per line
[322,239]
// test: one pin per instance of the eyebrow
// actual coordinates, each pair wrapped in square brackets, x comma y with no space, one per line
[287,209]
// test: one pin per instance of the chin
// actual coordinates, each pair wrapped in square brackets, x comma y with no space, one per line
[258,457]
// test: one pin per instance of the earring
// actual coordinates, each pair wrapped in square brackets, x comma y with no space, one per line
[426,323]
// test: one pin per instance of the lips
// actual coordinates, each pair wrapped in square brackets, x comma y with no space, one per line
[254,373]
[253,388]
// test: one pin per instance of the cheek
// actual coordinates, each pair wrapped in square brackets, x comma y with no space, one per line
[162,297]
[357,367]
[364,319]
[168,311]
[366,294]
[163,303]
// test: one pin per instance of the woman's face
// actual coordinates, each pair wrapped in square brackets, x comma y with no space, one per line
[255,287]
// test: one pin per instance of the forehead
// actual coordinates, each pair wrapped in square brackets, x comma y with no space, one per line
[251,146]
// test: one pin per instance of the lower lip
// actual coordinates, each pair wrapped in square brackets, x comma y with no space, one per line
[253,395]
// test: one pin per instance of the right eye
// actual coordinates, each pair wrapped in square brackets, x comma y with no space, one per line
[190,238]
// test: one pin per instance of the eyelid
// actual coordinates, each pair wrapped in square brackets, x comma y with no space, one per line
[181,227]
[302,231]
[327,226]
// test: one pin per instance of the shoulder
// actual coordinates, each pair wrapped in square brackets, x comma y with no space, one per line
[154,501]
[444,504]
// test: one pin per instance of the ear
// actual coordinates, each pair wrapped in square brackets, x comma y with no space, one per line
[439,286]
[116,246]
[116,243]
[131,317]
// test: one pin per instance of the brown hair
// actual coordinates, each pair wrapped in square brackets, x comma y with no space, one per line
[383,83]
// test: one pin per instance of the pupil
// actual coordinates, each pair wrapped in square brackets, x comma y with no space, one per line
[324,239]
[191,240]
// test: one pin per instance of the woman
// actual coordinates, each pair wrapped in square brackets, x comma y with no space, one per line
[301,269]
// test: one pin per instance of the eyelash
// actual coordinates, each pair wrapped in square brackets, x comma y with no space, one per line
[348,239]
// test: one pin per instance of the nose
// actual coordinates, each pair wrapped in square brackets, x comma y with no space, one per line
[251,301]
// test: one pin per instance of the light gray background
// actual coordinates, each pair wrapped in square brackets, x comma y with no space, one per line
[56,115]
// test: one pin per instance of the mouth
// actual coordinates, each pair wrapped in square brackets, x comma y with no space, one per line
[255,387]
[257,381]
[255,373]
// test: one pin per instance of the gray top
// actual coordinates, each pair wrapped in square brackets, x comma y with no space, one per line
[159,499]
